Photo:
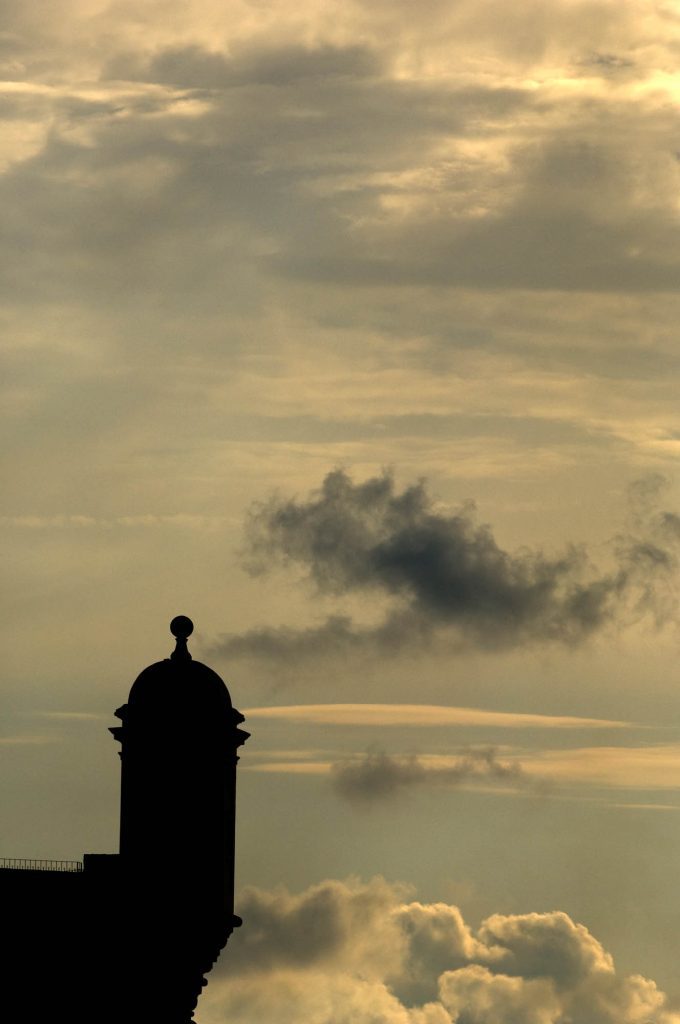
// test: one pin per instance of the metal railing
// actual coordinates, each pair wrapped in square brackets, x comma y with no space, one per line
[21,864]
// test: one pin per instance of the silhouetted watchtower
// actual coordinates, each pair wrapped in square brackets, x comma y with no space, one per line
[179,739]
[128,938]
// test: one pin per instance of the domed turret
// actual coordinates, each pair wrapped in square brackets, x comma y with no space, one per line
[179,681]
[179,737]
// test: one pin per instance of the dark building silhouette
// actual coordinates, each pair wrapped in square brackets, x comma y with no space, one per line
[129,937]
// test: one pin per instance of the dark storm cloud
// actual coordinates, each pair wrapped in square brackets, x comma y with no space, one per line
[378,776]
[444,576]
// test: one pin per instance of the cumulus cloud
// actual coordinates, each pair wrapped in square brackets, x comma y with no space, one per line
[363,952]
[476,996]
[378,775]
[333,922]
[444,574]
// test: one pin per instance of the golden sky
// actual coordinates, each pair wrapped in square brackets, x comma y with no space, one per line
[350,330]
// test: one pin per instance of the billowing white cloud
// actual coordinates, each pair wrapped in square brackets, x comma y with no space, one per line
[349,951]
[474,995]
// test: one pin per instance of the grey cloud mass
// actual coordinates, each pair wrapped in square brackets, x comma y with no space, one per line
[358,951]
[179,202]
[379,776]
[444,575]
[193,166]
[193,67]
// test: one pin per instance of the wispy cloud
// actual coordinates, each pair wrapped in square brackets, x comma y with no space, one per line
[65,522]
[575,770]
[648,767]
[291,767]
[28,740]
[380,776]
[67,716]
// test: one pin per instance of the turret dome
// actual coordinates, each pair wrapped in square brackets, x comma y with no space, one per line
[179,685]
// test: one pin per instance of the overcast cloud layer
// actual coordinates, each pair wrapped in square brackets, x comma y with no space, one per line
[232,231]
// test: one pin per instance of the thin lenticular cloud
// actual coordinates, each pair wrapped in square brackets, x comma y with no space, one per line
[580,769]
[292,767]
[68,716]
[425,715]
[652,767]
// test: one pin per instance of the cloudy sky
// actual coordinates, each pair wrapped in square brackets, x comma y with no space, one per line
[350,330]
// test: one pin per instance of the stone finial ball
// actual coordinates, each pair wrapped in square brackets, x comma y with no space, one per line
[181,627]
